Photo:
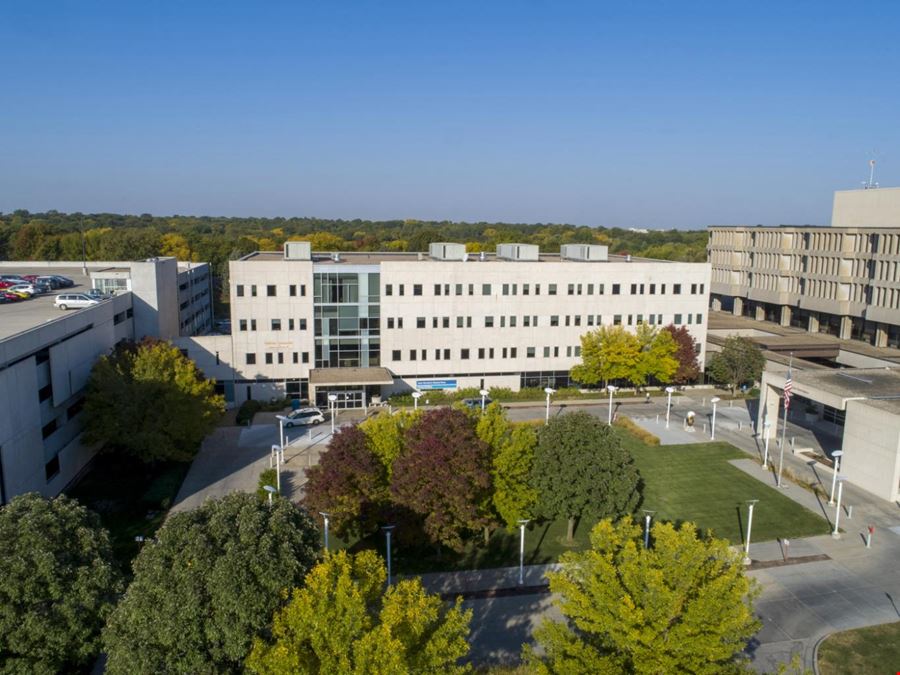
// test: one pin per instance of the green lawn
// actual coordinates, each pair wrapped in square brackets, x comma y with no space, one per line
[131,497]
[696,483]
[862,652]
[681,483]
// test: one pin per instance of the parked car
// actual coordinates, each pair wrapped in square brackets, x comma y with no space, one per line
[303,417]
[51,280]
[23,288]
[11,297]
[13,290]
[97,294]
[74,300]
[42,287]
[475,403]
[65,282]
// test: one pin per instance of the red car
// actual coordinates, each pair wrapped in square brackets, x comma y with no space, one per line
[12,297]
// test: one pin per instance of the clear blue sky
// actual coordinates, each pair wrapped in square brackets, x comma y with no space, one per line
[633,114]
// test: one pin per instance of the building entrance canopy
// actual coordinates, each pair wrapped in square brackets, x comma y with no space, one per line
[346,377]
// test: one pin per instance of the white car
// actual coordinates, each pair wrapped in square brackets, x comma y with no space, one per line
[74,300]
[23,288]
[303,417]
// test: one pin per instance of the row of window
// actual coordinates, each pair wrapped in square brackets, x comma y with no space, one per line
[484,353]
[274,324]
[531,321]
[276,357]
[552,289]
[271,290]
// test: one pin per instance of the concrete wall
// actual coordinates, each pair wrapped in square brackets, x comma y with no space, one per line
[154,284]
[866,208]
[872,449]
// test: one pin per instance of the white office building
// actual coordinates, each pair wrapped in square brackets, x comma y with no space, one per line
[370,324]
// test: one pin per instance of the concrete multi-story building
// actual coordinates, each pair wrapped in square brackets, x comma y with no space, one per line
[46,356]
[370,324]
[841,279]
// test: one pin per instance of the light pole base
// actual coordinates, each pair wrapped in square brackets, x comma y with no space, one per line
[747,560]
[763,466]
[835,535]
[830,503]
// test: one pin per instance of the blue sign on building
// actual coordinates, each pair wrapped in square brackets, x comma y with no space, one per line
[422,385]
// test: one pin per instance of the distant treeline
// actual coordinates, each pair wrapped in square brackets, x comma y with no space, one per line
[111,236]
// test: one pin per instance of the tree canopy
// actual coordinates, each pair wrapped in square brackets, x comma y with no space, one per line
[686,355]
[581,469]
[343,621]
[740,360]
[444,476]
[682,606]
[208,584]
[385,432]
[58,583]
[148,400]
[614,353]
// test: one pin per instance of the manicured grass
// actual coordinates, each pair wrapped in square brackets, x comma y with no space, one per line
[696,483]
[681,483]
[866,650]
[131,497]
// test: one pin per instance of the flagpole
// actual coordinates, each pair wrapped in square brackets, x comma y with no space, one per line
[784,424]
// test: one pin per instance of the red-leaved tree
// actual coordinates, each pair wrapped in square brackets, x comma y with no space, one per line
[349,483]
[444,476]
[688,367]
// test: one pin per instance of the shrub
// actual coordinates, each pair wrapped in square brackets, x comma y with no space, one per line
[641,434]
[267,477]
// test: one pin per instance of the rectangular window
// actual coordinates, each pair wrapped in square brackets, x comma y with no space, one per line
[526,321]
[577,350]
[434,322]
[292,290]
[578,319]
[630,317]
[702,287]
[546,352]
[505,289]
[295,357]
[242,323]
[699,318]
[568,320]
[468,322]
[276,324]
[662,289]
[269,358]
[537,289]
[445,322]
[395,354]
[437,289]
[529,352]
[481,352]
[652,289]
[554,320]
[75,408]
[446,354]
[420,322]
[252,324]
[488,322]
[464,354]
[253,290]
[45,392]
[305,357]
[600,289]
[677,319]
[634,289]
[676,289]
[640,319]
[412,354]
[459,289]
[571,289]
[490,352]
[270,290]
[471,289]
[290,324]
[512,352]
[485,289]
[555,352]
[502,322]
[389,289]
[390,322]
[503,353]
[240,290]
[437,354]
[460,321]
[250,359]
[617,319]
[569,350]
[400,322]
[280,357]
[590,320]
[51,468]
[616,289]
[525,289]
[302,324]
[590,289]
[693,289]
[417,289]
[512,322]
[551,289]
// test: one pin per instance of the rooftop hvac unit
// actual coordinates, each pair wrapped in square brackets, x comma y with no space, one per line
[297,250]
[519,252]
[447,251]
[584,252]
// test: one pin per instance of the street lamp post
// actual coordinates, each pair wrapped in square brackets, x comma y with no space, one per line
[549,391]
[714,400]
[484,393]
[612,390]
[277,467]
[766,426]
[325,517]
[647,516]
[332,402]
[750,503]
[387,529]
[837,514]
[271,491]
[837,454]
[669,392]
[522,524]
[416,396]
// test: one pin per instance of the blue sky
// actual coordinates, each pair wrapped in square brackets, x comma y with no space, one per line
[633,114]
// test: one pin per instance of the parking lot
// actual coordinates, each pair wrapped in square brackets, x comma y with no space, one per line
[18,316]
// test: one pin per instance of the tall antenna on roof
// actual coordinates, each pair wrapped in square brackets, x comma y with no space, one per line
[871,185]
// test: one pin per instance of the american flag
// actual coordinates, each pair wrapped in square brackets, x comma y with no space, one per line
[788,386]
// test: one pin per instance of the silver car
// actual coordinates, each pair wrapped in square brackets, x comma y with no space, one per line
[303,417]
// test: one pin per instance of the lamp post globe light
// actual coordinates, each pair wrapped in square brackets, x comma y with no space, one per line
[837,514]
[271,491]
[522,524]
[484,393]
[612,390]
[669,392]
[713,400]
[416,396]
[647,516]
[275,451]
[332,404]
[549,391]
[766,426]
[837,454]
[750,504]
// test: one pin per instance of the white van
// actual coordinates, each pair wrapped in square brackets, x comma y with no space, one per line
[74,300]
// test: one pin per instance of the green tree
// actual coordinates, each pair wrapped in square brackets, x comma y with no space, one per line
[740,360]
[512,449]
[58,583]
[608,353]
[343,621]
[386,432]
[148,400]
[581,469]
[208,584]
[682,606]
[685,354]
[657,356]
